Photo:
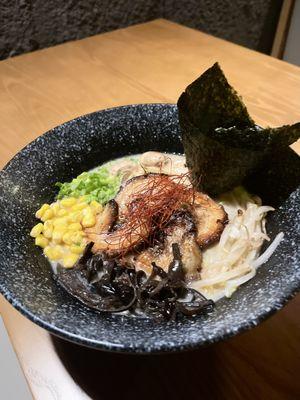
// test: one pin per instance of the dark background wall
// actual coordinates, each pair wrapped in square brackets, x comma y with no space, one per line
[27,25]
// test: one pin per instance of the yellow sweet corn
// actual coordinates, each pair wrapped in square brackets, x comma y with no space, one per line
[67,238]
[55,208]
[37,230]
[96,207]
[53,253]
[88,221]
[79,206]
[48,214]
[41,211]
[68,202]
[75,226]
[48,232]
[87,211]
[70,259]
[48,224]
[77,249]
[75,216]
[47,251]
[62,212]
[82,198]
[57,234]
[62,236]
[41,241]
[77,237]
[61,222]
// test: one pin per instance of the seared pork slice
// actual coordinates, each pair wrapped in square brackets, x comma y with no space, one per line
[104,221]
[131,187]
[114,242]
[120,241]
[210,219]
[181,230]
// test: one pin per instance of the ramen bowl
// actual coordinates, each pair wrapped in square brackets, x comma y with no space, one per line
[26,278]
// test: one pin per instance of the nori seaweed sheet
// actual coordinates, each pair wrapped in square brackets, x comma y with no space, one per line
[223,146]
[277,179]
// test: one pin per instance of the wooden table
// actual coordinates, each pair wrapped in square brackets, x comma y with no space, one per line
[151,62]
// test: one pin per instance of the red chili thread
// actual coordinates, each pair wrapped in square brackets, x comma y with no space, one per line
[149,210]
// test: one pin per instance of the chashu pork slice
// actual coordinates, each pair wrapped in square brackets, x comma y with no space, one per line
[113,242]
[209,218]
[131,187]
[118,241]
[180,230]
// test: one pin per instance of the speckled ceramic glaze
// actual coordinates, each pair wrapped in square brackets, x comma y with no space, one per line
[25,275]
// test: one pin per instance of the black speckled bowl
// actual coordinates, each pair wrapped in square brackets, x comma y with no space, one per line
[25,275]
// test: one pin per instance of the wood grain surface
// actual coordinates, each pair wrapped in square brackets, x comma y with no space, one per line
[147,63]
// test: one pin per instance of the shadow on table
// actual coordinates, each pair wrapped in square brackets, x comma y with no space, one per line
[262,363]
[104,375]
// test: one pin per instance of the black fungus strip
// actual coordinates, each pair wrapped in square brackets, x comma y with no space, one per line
[106,286]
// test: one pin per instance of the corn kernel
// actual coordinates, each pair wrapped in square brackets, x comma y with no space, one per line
[79,206]
[47,251]
[77,249]
[48,232]
[53,253]
[37,230]
[77,237]
[60,222]
[82,198]
[41,211]
[67,238]
[41,241]
[48,214]
[75,226]
[96,207]
[70,259]
[68,202]
[88,221]
[57,234]
[48,224]
[55,208]
[75,217]
[62,212]
[87,211]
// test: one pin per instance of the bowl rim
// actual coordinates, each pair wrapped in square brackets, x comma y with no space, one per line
[113,347]
[143,350]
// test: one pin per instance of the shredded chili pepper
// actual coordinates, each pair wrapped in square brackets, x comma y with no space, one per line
[150,208]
